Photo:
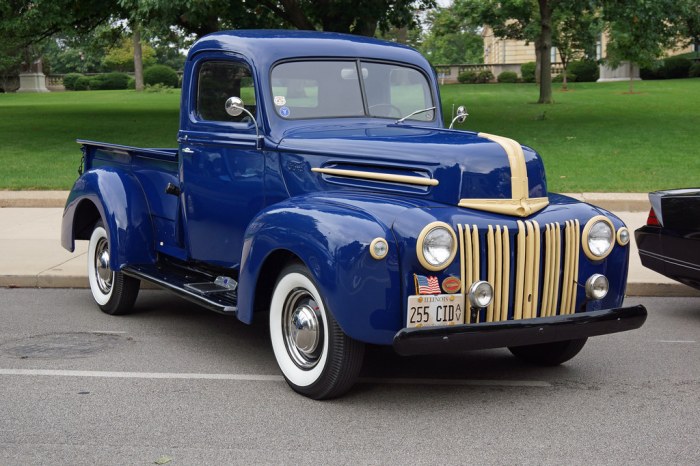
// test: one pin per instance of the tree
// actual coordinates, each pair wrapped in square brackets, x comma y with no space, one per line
[575,32]
[529,20]
[121,56]
[362,17]
[27,25]
[451,38]
[83,53]
[27,22]
[640,32]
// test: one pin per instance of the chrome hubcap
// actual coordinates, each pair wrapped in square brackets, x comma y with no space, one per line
[302,328]
[103,274]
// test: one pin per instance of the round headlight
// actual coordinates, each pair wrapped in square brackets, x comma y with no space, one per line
[436,246]
[597,286]
[598,238]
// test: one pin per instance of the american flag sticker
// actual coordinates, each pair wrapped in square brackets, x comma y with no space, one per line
[426,285]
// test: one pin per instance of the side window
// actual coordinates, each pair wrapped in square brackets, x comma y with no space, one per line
[219,80]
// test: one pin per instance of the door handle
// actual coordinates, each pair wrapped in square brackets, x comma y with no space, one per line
[187,150]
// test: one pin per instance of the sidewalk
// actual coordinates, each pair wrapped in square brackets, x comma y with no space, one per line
[31,254]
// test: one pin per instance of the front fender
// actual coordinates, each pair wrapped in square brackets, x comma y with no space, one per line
[333,241]
[123,207]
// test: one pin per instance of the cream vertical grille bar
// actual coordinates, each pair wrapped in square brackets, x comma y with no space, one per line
[505,281]
[491,269]
[544,266]
[476,258]
[519,272]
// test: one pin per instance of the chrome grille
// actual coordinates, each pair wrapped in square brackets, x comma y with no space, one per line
[533,271]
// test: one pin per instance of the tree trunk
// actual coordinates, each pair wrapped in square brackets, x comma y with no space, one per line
[138,55]
[631,78]
[563,81]
[545,49]
[402,35]
[538,60]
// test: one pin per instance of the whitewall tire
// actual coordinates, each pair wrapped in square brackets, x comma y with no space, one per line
[114,292]
[316,358]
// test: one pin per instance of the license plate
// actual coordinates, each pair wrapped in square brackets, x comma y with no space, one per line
[435,310]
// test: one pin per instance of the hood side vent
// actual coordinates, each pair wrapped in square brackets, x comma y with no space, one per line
[385,177]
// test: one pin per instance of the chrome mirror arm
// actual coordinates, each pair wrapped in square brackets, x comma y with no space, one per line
[460,117]
[234,107]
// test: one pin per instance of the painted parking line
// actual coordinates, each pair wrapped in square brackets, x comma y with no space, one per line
[142,375]
[676,341]
[265,378]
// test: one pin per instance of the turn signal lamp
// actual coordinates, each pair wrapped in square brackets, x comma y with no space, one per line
[652,221]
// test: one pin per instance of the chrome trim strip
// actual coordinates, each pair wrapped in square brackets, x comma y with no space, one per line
[404,179]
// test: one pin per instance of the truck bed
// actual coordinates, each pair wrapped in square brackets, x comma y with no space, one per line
[154,168]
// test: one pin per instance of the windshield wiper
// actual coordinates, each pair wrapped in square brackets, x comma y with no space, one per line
[401,120]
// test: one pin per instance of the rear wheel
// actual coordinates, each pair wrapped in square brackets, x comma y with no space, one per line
[317,359]
[549,354]
[114,292]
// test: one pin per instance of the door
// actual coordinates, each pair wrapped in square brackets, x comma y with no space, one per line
[221,168]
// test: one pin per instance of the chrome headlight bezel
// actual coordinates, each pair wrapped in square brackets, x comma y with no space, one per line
[597,287]
[594,253]
[426,237]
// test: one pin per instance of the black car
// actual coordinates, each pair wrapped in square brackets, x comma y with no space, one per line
[670,241]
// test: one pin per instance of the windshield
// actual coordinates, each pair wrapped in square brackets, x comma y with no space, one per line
[331,89]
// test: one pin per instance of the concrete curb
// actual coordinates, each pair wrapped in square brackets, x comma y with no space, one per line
[615,202]
[33,198]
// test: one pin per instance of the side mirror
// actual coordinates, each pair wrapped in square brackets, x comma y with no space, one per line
[234,107]
[460,117]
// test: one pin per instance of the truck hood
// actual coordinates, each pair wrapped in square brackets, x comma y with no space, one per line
[479,171]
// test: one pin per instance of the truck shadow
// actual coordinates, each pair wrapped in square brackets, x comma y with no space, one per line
[225,337]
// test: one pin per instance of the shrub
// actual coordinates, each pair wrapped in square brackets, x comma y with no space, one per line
[160,74]
[467,77]
[527,71]
[158,88]
[131,84]
[70,79]
[570,77]
[650,72]
[484,77]
[508,77]
[675,67]
[694,70]
[586,71]
[96,82]
[82,84]
[114,81]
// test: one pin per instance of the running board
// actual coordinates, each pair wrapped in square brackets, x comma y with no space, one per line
[196,288]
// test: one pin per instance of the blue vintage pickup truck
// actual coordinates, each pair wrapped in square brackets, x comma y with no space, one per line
[316,185]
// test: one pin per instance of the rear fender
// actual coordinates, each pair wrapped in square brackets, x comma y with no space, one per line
[333,242]
[119,200]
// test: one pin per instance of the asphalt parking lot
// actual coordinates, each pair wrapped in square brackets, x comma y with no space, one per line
[178,385]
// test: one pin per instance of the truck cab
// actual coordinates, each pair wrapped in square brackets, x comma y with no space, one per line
[316,185]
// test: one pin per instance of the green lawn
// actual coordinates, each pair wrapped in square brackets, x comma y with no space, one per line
[39,131]
[594,138]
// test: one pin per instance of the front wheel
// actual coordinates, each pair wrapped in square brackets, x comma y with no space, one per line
[549,354]
[114,292]
[316,358]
